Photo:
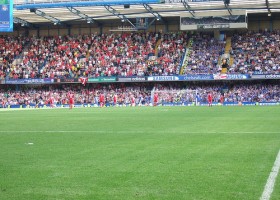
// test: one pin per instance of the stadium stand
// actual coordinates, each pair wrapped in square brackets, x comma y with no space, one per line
[100,55]
[133,54]
[204,56]
[256,52]
[10,52]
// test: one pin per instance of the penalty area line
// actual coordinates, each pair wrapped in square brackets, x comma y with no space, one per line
[269,187]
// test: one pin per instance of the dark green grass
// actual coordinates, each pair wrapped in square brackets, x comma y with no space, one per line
[138,153]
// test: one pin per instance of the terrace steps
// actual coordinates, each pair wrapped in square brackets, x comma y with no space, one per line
[227,50]
[228,45]
[226,53]
[186,57]
[156,47]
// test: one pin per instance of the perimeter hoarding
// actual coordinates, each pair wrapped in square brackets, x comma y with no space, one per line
[266,76]
[30,81]
[102,79]
[132,79]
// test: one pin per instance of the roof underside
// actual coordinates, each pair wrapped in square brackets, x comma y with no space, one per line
[165,10]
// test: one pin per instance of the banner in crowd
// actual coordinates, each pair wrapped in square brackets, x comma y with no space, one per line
[231,76]
[66,80]
[102,79]
[163,78]
[197,77]
[132,79]
[200,77]
[30,81]
[265,76]
[188,77]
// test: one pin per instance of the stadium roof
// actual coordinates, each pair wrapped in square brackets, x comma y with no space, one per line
[44,11]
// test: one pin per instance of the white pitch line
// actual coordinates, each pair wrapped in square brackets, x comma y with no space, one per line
[125,131]
[268,189]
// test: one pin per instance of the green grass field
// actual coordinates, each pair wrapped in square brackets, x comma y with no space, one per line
[217,153]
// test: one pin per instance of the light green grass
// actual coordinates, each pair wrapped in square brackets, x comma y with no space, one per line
[138,153]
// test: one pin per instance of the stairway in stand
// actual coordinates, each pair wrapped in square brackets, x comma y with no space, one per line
[186,57]
[227,53]
[227,50]
[156,47]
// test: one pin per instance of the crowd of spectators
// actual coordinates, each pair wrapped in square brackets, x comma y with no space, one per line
[141,94]
[126,54]
[82,95]
[170,54]
[204,55]
[256,52]
[240,92]
[135,54]
[10,49]
[120,54]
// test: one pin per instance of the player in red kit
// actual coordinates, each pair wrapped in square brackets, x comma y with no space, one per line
[210,99]
[51,101]
[222,99]
[3,104]
[71,101]
[101,100]
[155,99]
[132,101]
[115,99]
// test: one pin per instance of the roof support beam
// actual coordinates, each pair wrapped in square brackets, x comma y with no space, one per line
[229,10]
[181,10]
[44,15]
[187,6]
[151,22]
[150,10]
[267,6]
[119,15]
[21,21]
[196,10]
[82,15]
[63,4]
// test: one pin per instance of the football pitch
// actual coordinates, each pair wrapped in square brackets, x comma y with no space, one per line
[217,153]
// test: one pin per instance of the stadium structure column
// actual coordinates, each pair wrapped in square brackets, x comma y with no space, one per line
[69,30]
[271,23]
[216,34]
[101,29]
[166,27]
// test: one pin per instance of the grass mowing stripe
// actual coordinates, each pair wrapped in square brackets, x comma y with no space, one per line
[268,189]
